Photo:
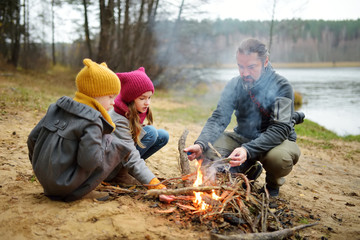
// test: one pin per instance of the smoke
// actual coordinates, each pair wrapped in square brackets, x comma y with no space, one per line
[210,168]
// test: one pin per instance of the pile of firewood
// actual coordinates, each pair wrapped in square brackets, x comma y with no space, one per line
[235,209]
[238,210]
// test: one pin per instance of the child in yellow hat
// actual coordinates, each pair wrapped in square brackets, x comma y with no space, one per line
[71,149]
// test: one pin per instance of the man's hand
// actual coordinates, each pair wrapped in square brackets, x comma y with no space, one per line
[194,150]
[238,156]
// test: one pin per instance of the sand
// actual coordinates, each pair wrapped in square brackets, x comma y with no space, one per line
[324,185]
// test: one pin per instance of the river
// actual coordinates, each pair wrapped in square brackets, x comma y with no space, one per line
[331,96]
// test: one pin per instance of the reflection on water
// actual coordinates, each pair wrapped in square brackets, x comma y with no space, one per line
[330,95]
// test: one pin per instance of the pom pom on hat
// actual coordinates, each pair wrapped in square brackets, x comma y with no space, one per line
[96,80]
[134,84]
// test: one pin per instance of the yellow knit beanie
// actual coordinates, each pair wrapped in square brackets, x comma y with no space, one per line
[96,80]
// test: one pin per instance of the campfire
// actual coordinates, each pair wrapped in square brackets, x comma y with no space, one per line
[199,201]
[225,203]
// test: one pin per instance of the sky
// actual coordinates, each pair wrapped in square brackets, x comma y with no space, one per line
[285,9]
[67,31]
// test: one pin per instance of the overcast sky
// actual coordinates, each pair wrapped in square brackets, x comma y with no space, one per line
[285,9]
[238,9]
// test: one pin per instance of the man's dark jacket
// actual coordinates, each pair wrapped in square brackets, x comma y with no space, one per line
[263,113]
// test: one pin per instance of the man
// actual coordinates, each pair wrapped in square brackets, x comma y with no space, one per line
[263,102]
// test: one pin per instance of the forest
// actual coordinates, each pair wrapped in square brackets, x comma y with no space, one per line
[140,33]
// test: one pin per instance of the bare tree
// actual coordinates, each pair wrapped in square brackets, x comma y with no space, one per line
[136,43]
[272,26]
[125,43]
[107,27]
[86,28]
[53,32]
[173,35]
[118,25]
[10,30]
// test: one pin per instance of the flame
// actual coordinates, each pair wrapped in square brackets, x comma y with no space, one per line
[198,201]
[214,195]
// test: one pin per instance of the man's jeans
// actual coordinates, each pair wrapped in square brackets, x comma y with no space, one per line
[278,162]
[153,140]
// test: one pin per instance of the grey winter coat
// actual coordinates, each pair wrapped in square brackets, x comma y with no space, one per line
[135,165]
[263,113]
[72,151]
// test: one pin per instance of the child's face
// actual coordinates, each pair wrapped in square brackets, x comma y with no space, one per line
[106,101]
[142,102]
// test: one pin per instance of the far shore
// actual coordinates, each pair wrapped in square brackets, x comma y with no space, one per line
[315,64]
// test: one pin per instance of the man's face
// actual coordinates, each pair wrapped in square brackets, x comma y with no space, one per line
[250,67]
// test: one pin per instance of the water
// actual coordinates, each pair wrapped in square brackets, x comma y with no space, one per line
[331,96]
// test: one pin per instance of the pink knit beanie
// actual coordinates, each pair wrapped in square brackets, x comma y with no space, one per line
[134,84]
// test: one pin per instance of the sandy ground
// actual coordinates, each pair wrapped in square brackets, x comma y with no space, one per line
[324,185]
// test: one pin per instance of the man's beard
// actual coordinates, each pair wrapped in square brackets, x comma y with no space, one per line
[248,82]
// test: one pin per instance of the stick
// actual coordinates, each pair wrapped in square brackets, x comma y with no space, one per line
[266,206]
[280,234]
[212,148]
[157,192]
[246,180]
[263,218]
[245,213]
[223,161]
[184,161]
[116,189]
[185,177]
[271,213]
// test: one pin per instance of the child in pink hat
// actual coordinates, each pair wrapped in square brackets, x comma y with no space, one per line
[132,107]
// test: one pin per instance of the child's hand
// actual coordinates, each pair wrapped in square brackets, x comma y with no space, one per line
[166,198]
[155,184]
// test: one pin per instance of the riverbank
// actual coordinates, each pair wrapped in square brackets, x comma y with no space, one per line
[323,186]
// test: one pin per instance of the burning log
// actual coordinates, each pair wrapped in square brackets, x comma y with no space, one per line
[185,190]
[280,234]
[208,199]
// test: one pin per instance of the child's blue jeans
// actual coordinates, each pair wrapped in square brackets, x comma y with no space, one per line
[153,140]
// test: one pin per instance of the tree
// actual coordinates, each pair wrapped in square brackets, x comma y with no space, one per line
[135,43]
[86,28]
[10,30]
[272,26]
[53,32]
[107,27]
